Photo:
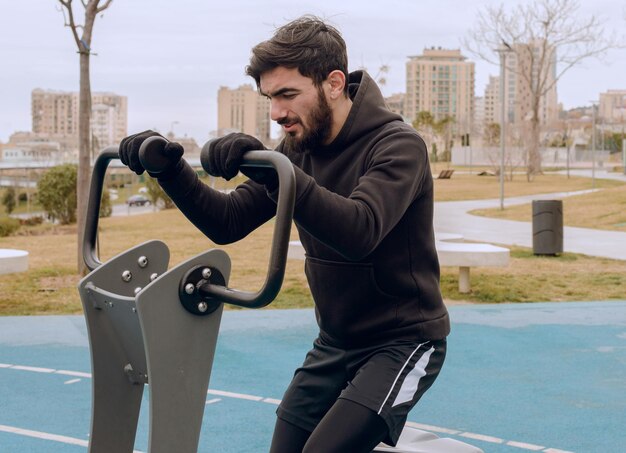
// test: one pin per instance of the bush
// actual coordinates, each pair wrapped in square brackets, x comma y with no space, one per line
[8,200]
[8,226]
[32,221]
[56,191]
[106,209]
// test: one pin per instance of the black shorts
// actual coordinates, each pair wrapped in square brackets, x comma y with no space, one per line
[388,378]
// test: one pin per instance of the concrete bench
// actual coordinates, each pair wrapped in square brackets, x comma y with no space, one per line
[452,251]
[467,255]
[13,261]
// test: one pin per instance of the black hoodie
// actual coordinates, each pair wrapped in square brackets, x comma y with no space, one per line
[364,212]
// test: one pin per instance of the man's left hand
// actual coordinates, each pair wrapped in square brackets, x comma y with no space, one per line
[226,154]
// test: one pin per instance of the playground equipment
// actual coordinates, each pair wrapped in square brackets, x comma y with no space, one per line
[150,325]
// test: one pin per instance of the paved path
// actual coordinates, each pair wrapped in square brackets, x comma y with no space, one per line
[453,217]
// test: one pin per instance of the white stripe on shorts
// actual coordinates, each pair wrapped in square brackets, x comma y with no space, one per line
[412,380]
[398,376]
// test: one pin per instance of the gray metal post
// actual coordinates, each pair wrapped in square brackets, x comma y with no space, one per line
[624,153]
[593,145]
[502,52]
[139,333]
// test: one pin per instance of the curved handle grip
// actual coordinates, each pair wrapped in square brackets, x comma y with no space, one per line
[152,156]
[282,225]
[90,255]
[280,242]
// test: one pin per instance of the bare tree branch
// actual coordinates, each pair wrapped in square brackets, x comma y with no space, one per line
[68,6]
[547,38]
[103,7]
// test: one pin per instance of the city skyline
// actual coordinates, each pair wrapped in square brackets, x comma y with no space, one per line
[172,78]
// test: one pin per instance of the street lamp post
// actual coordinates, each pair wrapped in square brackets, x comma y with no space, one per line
[593,144]
[502,51]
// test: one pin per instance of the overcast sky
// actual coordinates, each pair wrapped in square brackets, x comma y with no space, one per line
[170,57]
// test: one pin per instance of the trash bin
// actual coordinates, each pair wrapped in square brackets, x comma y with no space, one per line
[547,227]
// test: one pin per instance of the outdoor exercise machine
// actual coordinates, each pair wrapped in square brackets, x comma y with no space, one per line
[150,325]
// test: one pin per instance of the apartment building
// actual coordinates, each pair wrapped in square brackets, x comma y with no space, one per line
[55,114]
[395,103]
[523,72]
[441,81]
[243,110]
[612,108]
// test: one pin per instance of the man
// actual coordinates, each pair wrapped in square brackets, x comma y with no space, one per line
[364,212]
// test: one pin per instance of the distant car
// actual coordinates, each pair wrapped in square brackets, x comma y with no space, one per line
[137,200]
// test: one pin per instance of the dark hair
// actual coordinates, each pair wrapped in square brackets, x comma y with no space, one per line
[308,44]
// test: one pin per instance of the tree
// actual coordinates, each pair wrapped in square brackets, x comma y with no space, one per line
[56,191]
[8,200]
[546,39]
[433,129]
[83,43]
[157,194]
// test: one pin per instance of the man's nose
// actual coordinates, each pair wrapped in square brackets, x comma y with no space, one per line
[277,110]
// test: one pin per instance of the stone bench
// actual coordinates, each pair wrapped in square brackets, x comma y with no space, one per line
[452,251]
[13,261]
[465,255]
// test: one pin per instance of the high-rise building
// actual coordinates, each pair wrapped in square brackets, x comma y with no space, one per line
[522,72]
[243,110]
[492,101]
[55,114]
[441,81]
[612,108]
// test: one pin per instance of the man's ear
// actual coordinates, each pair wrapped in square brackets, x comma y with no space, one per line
[337,81]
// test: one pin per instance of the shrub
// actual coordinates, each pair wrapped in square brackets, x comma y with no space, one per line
[56,191]
[106,209]
[8,226]
[32,221]
[8,200]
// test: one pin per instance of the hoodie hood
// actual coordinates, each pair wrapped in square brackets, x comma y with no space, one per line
[368,112]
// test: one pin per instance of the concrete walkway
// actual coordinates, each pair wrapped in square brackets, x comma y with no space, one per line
[453,217]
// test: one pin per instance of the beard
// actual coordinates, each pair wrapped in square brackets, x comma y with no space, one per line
[320,123]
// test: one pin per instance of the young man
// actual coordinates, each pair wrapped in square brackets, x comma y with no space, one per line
[364,212]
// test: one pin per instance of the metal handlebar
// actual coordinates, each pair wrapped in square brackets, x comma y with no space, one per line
[90,254]
[155,161]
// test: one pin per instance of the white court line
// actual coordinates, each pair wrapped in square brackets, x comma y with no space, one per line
[244,396]
[72,381]
[73,373]
[45,436]
[213,401]
[241,396]
[33,368]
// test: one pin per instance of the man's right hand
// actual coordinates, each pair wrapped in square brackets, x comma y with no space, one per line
[129,150]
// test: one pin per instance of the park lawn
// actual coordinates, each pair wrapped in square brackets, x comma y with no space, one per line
[49,286]
[604,209]
[465,186]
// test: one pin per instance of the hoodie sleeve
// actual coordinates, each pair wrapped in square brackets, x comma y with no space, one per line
[396,174]
[222,217]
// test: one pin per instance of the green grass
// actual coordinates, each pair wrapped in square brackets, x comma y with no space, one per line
[49,286]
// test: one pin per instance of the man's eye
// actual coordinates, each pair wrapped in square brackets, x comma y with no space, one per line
[289,96]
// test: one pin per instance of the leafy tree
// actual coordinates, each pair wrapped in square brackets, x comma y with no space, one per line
[157,195]
[56,191]
[8,200]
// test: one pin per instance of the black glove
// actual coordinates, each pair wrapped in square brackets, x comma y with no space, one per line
[129,151]
[226,154]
